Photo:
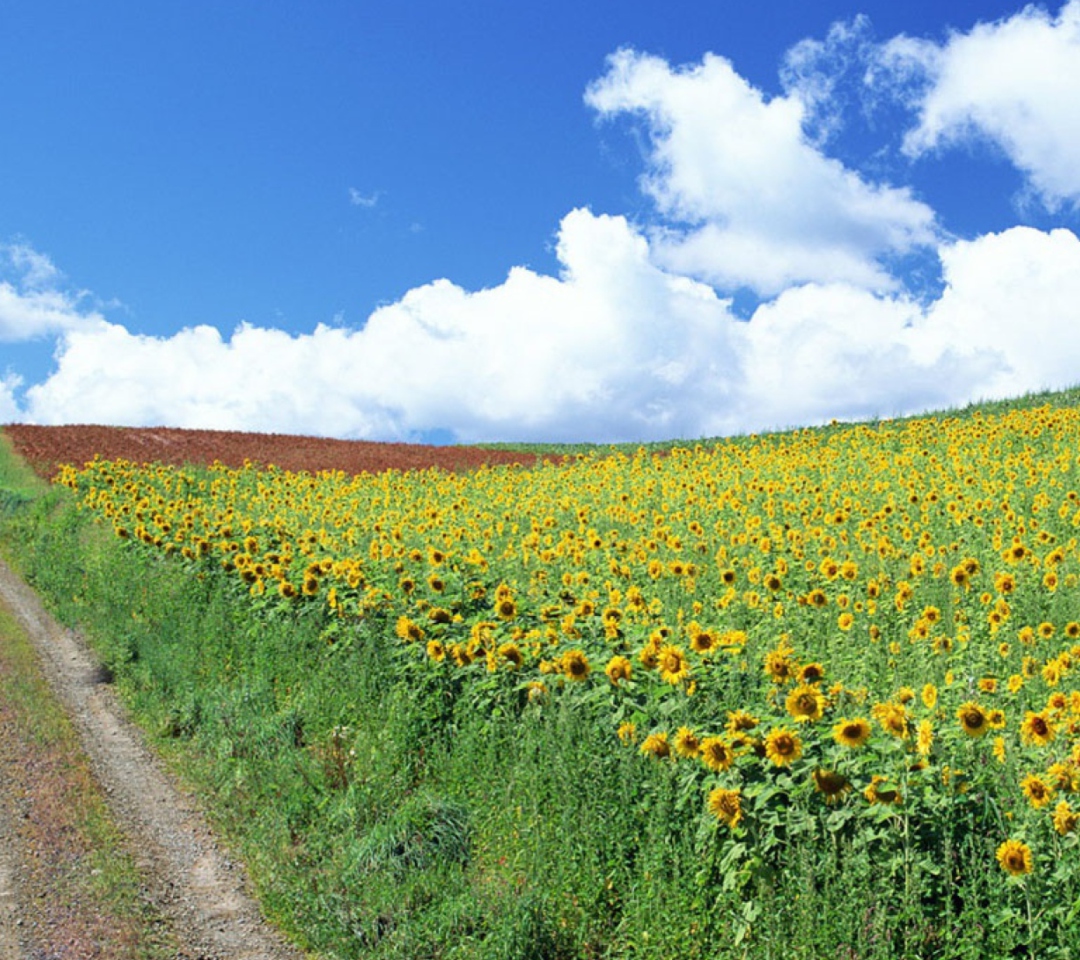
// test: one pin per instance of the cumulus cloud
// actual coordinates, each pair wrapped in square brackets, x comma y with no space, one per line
[613,347]
[1004,325]
[750,201]
[1015,82]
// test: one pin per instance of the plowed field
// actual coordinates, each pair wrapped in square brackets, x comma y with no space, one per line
[45,448]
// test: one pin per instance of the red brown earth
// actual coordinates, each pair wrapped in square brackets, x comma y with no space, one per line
[46,448]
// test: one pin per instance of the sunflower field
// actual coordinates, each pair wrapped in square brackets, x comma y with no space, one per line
[831,673]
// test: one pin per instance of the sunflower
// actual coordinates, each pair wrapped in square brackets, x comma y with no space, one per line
[687,743]
[881,790]
[929,696]
[618,669]
[779,665]
[1037,729]
[805,703]
[505,608]
[1014,857]
[999,749]
[726,805]
[1065,820]
[511,653]
[716,753]
[852,733]
[701,640]
[811,673]
[782,746]
[973,719]
[628,732]
[436,651]
[893,718]
[830,784]
[575,664]
[408,630]
[1038,792]
[440,615]
[656,745]
[739,721]
[925,739]
[673,664]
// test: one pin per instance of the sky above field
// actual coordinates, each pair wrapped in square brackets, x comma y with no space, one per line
[491,220]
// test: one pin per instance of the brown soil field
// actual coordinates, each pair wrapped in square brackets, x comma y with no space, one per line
[46,448]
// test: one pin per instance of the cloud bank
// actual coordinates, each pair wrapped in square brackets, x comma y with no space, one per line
[635,337]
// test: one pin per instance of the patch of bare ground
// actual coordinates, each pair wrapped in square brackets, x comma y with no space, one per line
[46,448]
[190,879]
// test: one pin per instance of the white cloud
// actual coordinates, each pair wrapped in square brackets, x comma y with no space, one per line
[1004,325]
[614,347]
[9,406]
[31,305]
[358,199]
[34,269]
[1015,82]
[759,205]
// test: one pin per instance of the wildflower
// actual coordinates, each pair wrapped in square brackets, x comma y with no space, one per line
[511,652]
[687,743]
[716,753]
[805,703]
[656,745]
[892,717]
[783,747]
[1036,729]
[1014,857]
[880,790]
[408,631]
[575,664]
[925,739]
[1038,792]
[830,784]
[1065,819]
[726,805]
[436,651]
[852,733]
[618,669]
[973,720]
[673,664]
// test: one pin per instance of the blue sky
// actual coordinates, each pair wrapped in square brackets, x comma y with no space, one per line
[493,221]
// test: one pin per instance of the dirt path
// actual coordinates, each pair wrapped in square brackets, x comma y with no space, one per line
[9,939]
[196,884]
